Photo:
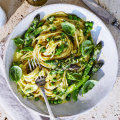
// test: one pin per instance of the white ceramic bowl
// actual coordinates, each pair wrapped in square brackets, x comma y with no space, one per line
[106,76]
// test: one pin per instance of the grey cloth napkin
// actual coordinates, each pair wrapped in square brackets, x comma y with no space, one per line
[8,101]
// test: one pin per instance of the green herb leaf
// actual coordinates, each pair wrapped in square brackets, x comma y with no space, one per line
[88,86]
[18,41]
[15,73]
[60,49]
[68,28]
[86,47]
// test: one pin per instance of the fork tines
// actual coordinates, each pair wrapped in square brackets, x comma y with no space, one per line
[33,63]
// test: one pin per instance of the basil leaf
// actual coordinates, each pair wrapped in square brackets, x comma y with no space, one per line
[88,86]
[68,28]
[86,47]
[18,41]
[60,49]
[15,73]
[27,49]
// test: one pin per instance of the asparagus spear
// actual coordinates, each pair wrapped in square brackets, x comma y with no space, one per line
[97,50]
[94,69]
[86,75]
[32,26]
[29,39]
[70,61]
[75,94]
[19,40]
[32,31]
[74,86]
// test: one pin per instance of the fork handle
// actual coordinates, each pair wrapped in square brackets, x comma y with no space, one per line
[52,117]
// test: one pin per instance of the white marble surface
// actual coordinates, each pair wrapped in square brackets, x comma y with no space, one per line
[109,108]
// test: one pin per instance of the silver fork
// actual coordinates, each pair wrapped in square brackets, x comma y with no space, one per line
[40,81]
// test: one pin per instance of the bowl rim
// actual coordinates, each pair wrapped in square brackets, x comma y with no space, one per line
[7,44]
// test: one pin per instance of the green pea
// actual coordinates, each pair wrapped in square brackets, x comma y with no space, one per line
[78,19]
[37,99]
[59,101]
[55,102]
[49,101]
[53,72]
[91,24]
[48,39]
[89,38]
[52,83]
[52,102]
[55,91]
[61,93]
[53,29]
[18,50]
[74,17]
[54,79]
[43,50]
[86,24]
[70,17]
